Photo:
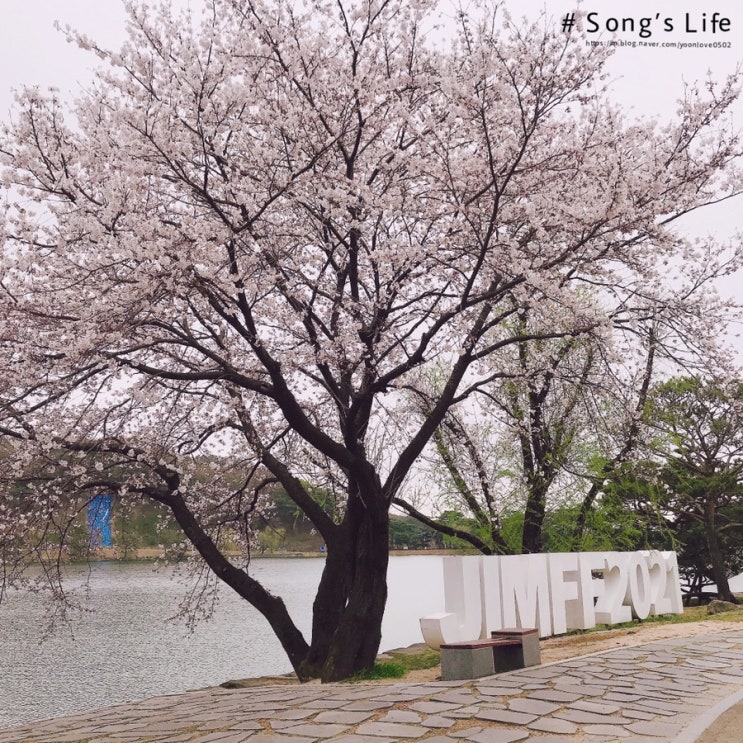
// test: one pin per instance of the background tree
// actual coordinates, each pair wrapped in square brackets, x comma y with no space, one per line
[694,563]
[700,436]
[408,533]
[627,512]
[263,221]
[544,437]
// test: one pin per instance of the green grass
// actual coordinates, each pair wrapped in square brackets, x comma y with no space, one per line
[399,666]
[691,614]
[380,671]
[417,661]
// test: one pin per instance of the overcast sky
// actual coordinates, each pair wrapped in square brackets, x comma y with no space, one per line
[646,80]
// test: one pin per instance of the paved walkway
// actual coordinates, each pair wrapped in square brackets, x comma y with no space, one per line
[665,691]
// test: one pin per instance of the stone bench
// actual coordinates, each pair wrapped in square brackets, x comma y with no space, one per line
[506,650]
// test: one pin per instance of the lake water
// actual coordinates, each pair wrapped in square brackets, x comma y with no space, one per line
[127,647]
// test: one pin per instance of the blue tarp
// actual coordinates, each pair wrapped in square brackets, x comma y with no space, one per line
[99,521]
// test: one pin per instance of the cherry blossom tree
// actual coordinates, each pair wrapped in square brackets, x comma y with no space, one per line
[518,441]
[263,221]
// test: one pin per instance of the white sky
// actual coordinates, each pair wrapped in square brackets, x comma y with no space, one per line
[32,51]
[645,80]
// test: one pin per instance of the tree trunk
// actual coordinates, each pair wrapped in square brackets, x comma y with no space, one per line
[539,482]
[717,562]
[531,539]
[585,508]
[351,598]
[350,602]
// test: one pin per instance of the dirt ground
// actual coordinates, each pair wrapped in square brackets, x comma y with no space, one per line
[571,646]
[728,728]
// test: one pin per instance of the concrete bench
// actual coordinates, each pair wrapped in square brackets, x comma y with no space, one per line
[506,650]
[530,654]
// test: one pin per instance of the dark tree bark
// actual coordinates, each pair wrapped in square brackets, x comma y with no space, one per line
[354,642]
[717,560]
[501,548]
[536,505]
[349,605]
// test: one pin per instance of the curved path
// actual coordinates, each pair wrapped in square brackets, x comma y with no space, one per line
[667,691]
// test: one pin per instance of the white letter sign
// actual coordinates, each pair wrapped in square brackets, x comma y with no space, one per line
[553,593]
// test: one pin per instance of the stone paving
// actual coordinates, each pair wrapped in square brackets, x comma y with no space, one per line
[655,693]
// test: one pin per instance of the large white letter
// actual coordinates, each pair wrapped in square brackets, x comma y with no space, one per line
[610,607]
[673,583]
[638,589]
[492,613]
[661,603]
[463,618]
[582,614]
[525,591]
[563,572]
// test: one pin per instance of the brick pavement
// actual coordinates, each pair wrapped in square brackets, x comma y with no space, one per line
[662,692]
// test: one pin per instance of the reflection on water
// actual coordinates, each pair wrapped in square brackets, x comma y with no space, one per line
[126,649]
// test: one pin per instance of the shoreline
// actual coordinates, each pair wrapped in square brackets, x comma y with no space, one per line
[149,554]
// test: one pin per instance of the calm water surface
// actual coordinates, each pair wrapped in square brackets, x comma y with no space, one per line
[127,647]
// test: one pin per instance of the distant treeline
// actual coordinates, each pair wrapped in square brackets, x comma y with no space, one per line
[283,528]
